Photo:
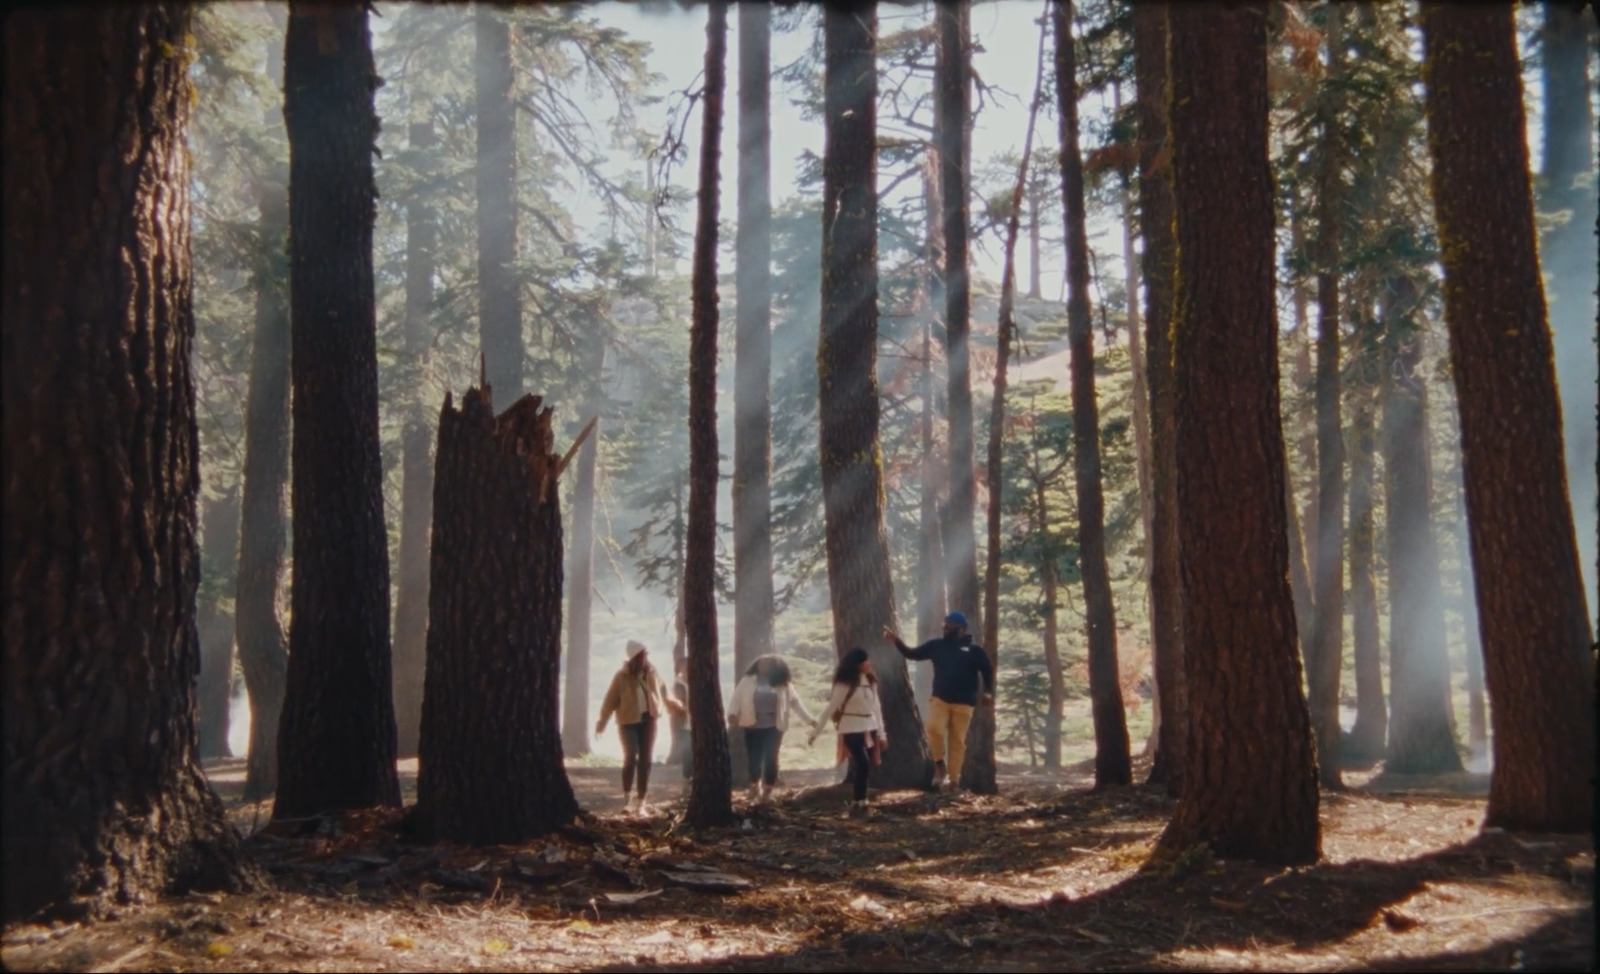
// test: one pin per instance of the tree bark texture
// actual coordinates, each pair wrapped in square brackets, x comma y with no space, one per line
[1325,653]
[710,793]
[932,572]
[1567,255]
[258,604]
[219,564]
[852,472]
[1534,624]
[416,476]
[752,407]
[580,586]
[952,114]
[104,802]
[1250,782]
[336,739]
[1369,737]
[1055,671]
[1159,264]
[499,302]
[1112,764]
[1421,736]
[489,759]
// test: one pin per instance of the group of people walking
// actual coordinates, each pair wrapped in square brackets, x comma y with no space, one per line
[764,698]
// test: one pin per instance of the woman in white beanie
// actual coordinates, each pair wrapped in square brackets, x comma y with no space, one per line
[637,697]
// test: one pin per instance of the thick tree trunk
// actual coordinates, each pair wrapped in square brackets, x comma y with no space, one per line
[499,303]
[710,794]
[1533,620]
[1421,738]
[263,645]
[104,802]
[1112,764]
[1369,737]
[952,111]
[416,477]
[219,564]
[847,352]
[489,757]
[1250,782]
[1159,263]
[752,407]
[1567,255]
[580,586]
[1325,653]
[336,740]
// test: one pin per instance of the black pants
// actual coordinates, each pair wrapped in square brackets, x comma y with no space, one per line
[638,747]
[761,746]
[860,764]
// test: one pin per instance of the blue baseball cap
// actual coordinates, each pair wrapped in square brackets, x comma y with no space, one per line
[956,619]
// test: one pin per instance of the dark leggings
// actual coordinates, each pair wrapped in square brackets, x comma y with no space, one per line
[761,745]
[860,764]
[638,745]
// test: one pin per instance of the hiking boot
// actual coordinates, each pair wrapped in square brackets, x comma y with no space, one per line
[858,810]
[938,775]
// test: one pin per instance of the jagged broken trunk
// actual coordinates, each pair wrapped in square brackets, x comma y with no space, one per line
[490,768]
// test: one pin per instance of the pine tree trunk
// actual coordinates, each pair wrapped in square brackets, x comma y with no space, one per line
[1035,250]
[931,568]
[1467,607]
[952,111]
[710,794]
[1325,653]
[1567,255]
[416,478]
[1159,263]
[1055,672]
[1112,764]
[1250,781]
[104,802]
[752,407]
[499,305]
[263,645]
[1299,577]
[1421,740]
[489,757]
[1369,737]
[336,739]
[1536,637]
[847,352]
[219,565]
[580,586]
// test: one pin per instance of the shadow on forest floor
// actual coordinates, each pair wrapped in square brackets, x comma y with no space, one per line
[1043,877]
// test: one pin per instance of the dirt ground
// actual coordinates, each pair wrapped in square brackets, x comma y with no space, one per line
[1045,877]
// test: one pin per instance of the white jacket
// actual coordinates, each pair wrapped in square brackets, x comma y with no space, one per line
[862,712]
[742,709]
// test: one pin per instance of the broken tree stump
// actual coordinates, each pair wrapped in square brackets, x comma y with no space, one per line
[490,765]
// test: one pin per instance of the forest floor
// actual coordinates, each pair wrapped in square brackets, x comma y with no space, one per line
[1044,877]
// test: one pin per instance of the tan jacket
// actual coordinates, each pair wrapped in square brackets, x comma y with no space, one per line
[622,698]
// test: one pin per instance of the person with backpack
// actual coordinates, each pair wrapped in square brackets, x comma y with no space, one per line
[857,717]
[962,677]
[637,696]
[760,707]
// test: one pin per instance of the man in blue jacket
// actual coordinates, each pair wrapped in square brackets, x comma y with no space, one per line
[958,668]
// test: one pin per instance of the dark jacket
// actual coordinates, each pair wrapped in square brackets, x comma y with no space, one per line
[957,666]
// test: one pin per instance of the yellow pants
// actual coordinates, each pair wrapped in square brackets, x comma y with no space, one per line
[947,725]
